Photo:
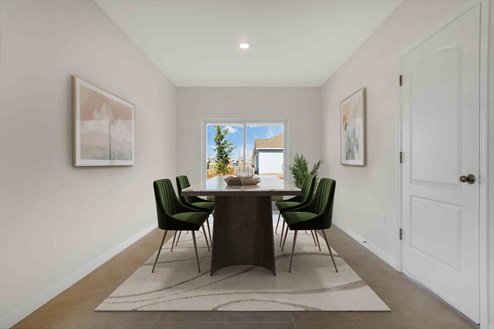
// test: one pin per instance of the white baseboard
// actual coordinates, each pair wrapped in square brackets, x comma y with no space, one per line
[38,301]
[363,241]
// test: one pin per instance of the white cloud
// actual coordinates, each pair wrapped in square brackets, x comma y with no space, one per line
[231,129]
[270,133]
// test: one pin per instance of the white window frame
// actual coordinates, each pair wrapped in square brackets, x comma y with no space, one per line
[244,123]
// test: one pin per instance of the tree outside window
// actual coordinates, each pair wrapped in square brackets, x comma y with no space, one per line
[224,149]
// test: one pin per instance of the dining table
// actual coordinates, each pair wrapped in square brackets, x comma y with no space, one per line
[243,221]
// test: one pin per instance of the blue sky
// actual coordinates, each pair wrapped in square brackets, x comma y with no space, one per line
[235,134]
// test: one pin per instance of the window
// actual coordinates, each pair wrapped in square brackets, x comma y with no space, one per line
[257,144]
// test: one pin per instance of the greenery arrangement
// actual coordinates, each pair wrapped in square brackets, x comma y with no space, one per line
[224,149]
[300,169]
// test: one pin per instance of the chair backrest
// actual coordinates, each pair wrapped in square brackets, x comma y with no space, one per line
[322,202]
[308,188]
[166,200]
[183,182]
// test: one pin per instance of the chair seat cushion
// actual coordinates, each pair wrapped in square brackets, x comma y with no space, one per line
[299,220]
[207,205]
[285,205]
[191,220]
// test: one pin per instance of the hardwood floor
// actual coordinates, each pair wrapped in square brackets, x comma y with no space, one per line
[412,307]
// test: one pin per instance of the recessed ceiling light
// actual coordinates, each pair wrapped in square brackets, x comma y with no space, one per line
[244,45]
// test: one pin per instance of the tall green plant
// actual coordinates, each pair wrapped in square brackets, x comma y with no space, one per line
[300,169]
[224,149]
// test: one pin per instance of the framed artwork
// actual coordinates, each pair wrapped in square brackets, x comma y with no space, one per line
[352,129]
[103,127]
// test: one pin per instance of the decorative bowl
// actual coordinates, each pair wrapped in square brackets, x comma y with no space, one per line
[250,180]
[238,180]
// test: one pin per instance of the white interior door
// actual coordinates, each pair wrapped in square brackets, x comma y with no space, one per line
[440,111]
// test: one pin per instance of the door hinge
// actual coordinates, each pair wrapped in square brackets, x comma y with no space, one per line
[401,80]
[401,234]
[401,157]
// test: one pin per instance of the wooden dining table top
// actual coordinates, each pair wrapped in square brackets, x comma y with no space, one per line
[216,186]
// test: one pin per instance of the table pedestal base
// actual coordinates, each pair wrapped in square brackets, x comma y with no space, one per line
[243,232]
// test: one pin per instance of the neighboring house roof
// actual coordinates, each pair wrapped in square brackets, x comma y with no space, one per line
[275,142]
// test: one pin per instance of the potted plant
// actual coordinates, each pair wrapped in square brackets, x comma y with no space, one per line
[300,169]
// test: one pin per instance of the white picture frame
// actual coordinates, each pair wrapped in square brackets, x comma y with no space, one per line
[352,129]
[103,126]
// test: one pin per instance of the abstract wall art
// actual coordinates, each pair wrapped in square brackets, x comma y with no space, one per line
[103,127]
[352,129]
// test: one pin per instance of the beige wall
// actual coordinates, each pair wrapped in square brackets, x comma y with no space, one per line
[56,221]
[299,105]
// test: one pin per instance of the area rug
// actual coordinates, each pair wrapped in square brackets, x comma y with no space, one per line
[176,285]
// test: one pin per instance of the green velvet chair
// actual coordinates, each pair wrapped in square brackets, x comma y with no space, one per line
[316,215]
[298,201]
[174,216]
[193,201]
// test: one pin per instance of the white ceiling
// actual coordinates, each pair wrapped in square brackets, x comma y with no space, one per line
[293,42]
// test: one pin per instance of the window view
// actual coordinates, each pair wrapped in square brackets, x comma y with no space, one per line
[266,145]
[240,146]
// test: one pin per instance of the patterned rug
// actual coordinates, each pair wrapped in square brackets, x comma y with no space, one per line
[313,284]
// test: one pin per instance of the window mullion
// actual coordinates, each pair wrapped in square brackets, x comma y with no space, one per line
[245,143]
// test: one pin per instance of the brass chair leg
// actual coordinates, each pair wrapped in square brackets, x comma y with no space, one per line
[277,223]
[330,252]
[205,237]
[195,248]
[282,229]
[284,240]
[317,239]
[173,242]
[313,238]
[159,251]
[178,238]
[209,231]
[293,249]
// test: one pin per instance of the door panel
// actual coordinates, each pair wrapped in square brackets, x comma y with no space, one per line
[433,127]
[429,217]
[441,142]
